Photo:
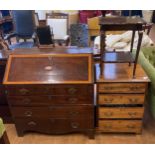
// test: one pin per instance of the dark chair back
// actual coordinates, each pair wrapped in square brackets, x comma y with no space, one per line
[44,35]
[24,25]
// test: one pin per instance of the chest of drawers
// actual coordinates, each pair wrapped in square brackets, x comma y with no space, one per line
[120,99]
[51,93]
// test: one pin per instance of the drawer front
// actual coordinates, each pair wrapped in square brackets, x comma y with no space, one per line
[55,126]
[50,89]
[54,112]
[129,126]
[121,99]
[122,88]
[48,100]
[134,112]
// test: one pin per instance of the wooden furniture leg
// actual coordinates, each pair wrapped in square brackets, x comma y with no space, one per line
[137,52]
[102,50]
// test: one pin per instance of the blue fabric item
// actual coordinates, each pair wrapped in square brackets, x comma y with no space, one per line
[5,12]
[133,13]
[7,26]
[24,24]
[79,35]
[22,45]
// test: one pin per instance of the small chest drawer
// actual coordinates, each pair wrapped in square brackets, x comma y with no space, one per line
[50,89]
[121,99]
[134,112]
[122,88]
[128,126]
[49,100]
[54,111]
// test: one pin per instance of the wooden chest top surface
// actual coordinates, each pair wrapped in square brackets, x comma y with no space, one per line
[118,72]
[49,69]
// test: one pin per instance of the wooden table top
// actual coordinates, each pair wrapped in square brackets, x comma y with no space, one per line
[119,20]
[118,72]
[121,23]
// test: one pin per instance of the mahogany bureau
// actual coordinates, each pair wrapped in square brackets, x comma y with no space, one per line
[120,98]
[51,93]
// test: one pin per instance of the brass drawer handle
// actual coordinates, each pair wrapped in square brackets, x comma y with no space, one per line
[26,101]
[75,125]
[72,90]
[134,88]
[74,113]
[28,113]
[107,88]
[107,126]
[133,100]
[73,100]
[131,126]
[32,123]
[109,100]
[23,91]
[108,114]
[132,114]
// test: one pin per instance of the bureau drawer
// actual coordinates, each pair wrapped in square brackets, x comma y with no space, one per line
[121,99]
[54,111]
[122,88]
[48,100]
[123,112]
[50,89]
[129,126]
[53,126]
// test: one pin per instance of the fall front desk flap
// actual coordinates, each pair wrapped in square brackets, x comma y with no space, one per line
[49,68]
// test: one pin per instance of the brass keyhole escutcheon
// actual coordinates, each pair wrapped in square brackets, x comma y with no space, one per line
[48,68]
